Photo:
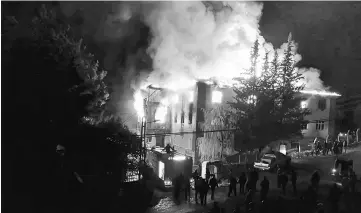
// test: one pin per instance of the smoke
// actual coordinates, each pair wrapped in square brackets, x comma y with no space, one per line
[195,40]
[212,40]
[116,33]
[312,79]
[173,44]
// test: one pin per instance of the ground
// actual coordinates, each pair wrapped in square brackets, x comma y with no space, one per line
[304,166]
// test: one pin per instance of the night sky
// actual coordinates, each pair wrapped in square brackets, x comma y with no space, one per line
[328,34]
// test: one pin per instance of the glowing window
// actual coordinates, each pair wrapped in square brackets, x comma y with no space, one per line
[191,97]
[304,126]
[320,125]
[217,97]
[303,104]
[251,99]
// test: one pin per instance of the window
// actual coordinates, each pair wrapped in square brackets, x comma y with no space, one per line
[190,113]
[320,125]
[217,97]
[182,117]
[175,117]
[303,104]
[322,104]
[304,126]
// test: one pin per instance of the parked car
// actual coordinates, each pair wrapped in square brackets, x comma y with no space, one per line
[168,182]
[270,161]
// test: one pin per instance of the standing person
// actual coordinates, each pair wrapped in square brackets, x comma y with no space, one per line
[213,184]
[248,199]
[353,181]
[284,181]
[315,180]
[195,175]
[205,188]
[187,189]
[324,150]
[334,148]
[232,186]
[294,181]
[279,173]
[242,181]
[177,188]
[215,208]
[264,188]
[208,174]
[254,178]
[334,197]
[197,186]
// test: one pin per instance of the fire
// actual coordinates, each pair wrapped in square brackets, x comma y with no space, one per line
[175,99]
[304,104]
[252,99]
[138,104]
[191,97]
[161,113]
[321,93]
[217,97]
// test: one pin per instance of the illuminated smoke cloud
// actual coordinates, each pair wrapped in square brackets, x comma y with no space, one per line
[312,79]
[190,41]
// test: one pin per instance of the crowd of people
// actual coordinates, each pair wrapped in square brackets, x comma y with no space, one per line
[334,145]
[248,182]
[329,147]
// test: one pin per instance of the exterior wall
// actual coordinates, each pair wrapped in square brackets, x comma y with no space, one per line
[346,108]
[184,143]
[332,120]
[327,115]
[202,99]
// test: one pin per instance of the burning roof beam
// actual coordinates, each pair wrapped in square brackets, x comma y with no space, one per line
[321,93]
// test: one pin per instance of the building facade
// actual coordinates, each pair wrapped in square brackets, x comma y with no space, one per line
[322,117]
[183,112]
[188,113]
[349,112]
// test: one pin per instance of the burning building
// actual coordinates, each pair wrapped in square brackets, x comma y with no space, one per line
[322,117]
[173,117]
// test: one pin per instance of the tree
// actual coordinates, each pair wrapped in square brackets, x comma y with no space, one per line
[52,83]
[268,107]
[215,145]
[57,95]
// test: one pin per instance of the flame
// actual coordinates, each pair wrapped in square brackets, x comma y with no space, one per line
[161,113]
[191,97]
[304,104]
[192,42]
[139,104]
[321,93]
[175,99]
[251,99]
[217,97]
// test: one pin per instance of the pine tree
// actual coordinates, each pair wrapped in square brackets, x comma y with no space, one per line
[254,58]
[276,112]
[288,112]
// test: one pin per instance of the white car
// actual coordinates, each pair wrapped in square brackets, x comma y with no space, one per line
[266,163]
[270,161]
